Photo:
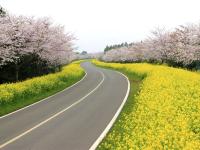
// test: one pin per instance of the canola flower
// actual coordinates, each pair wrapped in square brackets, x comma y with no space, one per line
[38,85]
[165,114]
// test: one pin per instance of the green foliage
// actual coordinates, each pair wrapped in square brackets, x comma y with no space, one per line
[17,95]
[2,12]
[28,66]
[84,53]
[110,47]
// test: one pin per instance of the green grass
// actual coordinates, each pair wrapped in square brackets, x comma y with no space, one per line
[9,107]
[164,114]
[36,89]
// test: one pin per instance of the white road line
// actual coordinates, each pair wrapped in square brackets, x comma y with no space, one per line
[103,134]
[52,117]
[45,98]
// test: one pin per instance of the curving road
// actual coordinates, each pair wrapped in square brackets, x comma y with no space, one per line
[72,119]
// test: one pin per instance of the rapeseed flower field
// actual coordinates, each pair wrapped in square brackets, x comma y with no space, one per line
[13,93]
[165,114]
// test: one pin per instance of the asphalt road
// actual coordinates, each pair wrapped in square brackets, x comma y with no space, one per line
[72,119]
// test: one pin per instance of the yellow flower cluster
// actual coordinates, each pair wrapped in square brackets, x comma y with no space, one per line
[36,86]
[166,112]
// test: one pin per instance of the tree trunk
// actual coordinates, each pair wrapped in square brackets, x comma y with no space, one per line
[59,68]
[17,73]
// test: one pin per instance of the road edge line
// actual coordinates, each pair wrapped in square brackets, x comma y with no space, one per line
[21,109]
[55,115]
[108,127]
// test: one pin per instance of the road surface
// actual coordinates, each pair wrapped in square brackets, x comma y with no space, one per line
[70,120]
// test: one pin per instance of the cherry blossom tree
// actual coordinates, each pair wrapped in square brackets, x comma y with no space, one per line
[180,47]
[38,39]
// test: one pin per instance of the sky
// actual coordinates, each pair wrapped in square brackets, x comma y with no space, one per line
[97,23]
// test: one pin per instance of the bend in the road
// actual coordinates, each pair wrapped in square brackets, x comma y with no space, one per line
[73,119]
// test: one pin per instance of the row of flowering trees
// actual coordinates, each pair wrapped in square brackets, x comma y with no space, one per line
[180,47]
[31,47]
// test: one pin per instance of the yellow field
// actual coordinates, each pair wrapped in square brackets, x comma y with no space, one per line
[39,85]
[166,114]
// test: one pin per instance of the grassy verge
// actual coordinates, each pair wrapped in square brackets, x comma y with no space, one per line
[164,114]
[18,95]
[117,128]
[135,83]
